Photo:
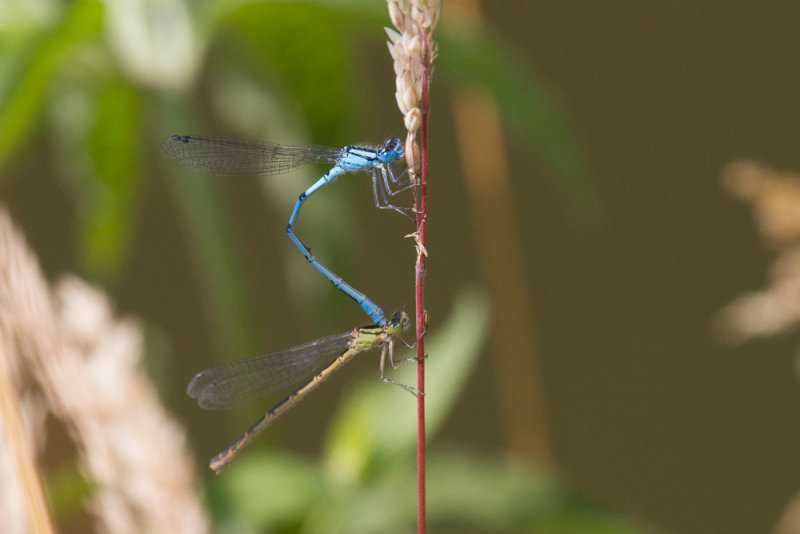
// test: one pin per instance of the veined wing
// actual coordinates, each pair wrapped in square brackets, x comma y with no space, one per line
[215,155]
[241,382]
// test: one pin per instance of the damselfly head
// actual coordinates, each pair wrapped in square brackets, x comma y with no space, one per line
[400,320]
[392,150]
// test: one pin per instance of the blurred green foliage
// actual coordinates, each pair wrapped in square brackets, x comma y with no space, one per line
[83,83]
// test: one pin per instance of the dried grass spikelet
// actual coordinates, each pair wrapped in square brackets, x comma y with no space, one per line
[775,198]
[132,448]
[413,50]
[88,366]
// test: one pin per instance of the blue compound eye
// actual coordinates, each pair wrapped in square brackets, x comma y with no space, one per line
[392,149]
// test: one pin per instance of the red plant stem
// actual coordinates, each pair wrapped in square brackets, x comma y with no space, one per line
[421,323]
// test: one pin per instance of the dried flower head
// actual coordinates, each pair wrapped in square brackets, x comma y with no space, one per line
[413,50]
[88,365]
[776,201]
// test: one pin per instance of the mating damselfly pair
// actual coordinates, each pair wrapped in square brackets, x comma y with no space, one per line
[241,382]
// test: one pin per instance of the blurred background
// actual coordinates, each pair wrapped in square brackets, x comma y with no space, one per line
[581,243]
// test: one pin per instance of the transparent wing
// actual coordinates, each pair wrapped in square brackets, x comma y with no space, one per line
[241,382]
[214,155]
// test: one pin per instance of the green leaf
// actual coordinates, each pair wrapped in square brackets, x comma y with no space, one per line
[261,490]
[67,491]
[313,72]
[116,153]
[23,93]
